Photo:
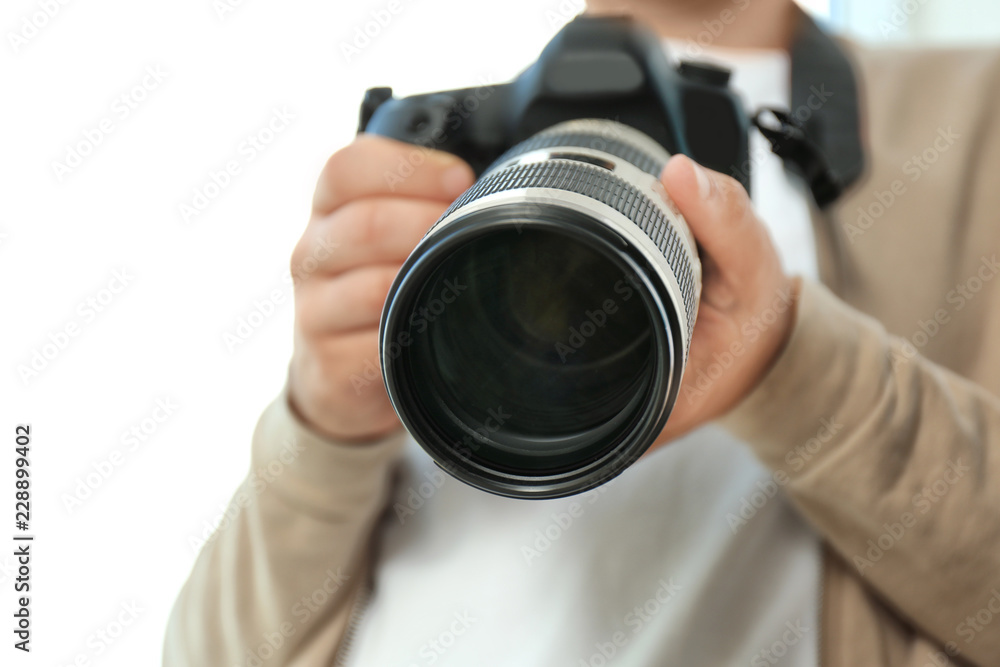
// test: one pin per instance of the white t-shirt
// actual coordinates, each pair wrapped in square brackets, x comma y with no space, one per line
[693,556]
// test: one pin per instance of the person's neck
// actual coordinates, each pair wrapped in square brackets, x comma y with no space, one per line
[745,24]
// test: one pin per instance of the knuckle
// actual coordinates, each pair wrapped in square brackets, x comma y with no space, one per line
[302,263]
[342,166]
[372,293]
[381,219]
[332,176]
[387,278]
[370,222]
[358,223]
[734,197]
[305,318]
[338,163]
[298,252]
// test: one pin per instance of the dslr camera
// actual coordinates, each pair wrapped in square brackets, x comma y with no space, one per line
[534,341]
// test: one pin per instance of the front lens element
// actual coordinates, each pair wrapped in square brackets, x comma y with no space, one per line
[535,342]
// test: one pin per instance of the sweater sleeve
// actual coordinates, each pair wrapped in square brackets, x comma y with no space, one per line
[277,578]
[894,459]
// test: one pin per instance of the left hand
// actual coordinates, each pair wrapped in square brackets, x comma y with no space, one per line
[747,308]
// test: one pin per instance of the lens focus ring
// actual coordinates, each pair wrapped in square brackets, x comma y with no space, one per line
[564,138]
[604,186]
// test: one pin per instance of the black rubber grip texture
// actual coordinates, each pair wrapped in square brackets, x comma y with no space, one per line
[621,149]
[603,186]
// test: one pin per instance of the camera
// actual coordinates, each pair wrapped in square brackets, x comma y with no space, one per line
[534,341]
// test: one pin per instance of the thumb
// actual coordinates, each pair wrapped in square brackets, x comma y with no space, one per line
[718,212]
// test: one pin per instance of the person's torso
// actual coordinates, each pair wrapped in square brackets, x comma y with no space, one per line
[692,556]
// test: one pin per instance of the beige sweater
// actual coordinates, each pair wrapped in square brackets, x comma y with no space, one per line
[901,344]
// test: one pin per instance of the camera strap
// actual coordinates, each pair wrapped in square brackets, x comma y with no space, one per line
[789,141]
[821,139]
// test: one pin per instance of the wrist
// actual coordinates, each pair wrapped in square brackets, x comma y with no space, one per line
[332,433]
[789,295]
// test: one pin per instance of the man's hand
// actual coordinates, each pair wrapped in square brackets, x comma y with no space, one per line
[747,309]
[338,300]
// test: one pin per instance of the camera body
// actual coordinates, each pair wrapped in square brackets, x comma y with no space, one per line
[595,67]
[507,387]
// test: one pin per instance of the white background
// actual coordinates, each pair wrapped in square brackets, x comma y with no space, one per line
[226,67]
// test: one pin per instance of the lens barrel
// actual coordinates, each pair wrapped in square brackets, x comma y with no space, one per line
[534,341]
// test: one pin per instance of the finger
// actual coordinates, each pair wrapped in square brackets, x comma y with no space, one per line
[718,211]
[341,375]
[373,165]
[352,300]
[355,356]
[375,230]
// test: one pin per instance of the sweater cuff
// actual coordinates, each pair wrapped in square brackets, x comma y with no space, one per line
[315,471]
[828,375]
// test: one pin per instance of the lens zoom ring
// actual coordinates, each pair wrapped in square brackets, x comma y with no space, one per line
[620,149]
[603,186]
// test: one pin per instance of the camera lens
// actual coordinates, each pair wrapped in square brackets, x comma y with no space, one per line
[534,340]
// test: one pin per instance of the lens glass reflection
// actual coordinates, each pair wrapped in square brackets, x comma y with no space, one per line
[532,348]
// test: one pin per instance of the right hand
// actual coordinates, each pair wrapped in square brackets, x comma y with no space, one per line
[366,218]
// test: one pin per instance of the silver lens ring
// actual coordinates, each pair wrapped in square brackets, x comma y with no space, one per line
[595,182]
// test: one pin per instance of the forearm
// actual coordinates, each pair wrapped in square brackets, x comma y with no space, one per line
[294,553]
[907,461]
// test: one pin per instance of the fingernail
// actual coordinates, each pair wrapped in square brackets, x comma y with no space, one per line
[704,184]
[457,179]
